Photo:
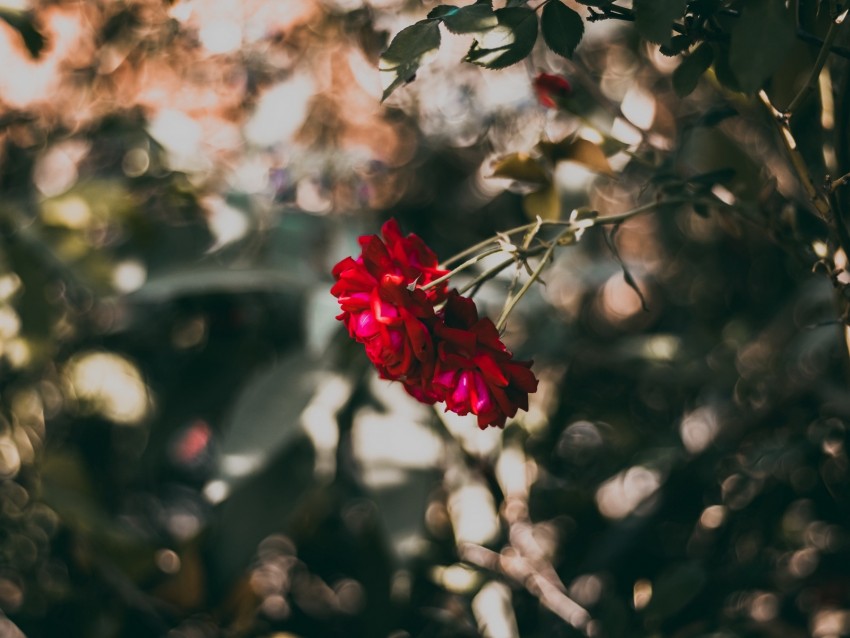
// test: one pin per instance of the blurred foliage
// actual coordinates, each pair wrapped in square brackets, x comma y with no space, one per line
[189,447]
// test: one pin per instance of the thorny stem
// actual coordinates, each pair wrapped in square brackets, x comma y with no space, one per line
[823,55]
[840,51]
[512,301]
[568,227]
[817,198]
[519,570]
[595,221]
[487,274]
[469,262]
[834,185]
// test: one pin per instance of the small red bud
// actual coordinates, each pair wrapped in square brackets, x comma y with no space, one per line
[550,88]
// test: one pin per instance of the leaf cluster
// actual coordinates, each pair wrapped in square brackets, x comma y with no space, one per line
[745,41]
[502,37]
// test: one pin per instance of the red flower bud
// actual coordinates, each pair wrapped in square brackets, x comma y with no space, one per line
[551,88]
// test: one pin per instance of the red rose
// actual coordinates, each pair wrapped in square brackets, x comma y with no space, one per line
[382,307]
[475,372]
[450,356]
[550,89]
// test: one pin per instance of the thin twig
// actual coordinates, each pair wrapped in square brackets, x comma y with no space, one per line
[469,262]
[512,301]
[823,55]
[597,221]
[475,284]
[835,49]
[816,198]
[834,185]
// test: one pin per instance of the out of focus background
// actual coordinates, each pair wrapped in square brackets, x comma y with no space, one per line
[189,445]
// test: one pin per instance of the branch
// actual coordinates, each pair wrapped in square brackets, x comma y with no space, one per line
[836,49]
[518,569]
[816,198]
[823,55]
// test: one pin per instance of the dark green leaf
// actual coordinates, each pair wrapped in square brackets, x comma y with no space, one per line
[442,11]
[675,588]
[654,18]
[23,23]
[687,74]
[715,116]
[509,42]
[401,60]
[722,67]
[702,210]
[596,3]
[720,176]
[678,44]
[760,40]
[562,28]
[412,42]
[471,19]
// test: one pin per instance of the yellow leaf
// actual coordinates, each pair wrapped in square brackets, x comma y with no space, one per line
[521,167]
[578,150]
[545,203]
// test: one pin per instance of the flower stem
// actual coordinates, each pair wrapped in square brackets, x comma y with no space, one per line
[469,262]
[512,301]
[597,221]
[570,228]
[487,274]
[483,244]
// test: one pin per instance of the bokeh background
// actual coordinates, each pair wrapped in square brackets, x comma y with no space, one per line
[190,447]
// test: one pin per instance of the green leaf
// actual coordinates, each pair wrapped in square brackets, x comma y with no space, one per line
[442,11]
[521,167]
[507,43]
[760,40]
[402,58]
[654,18]
[687,74]
[562,28]
[596,3]
[471,19]
[413,42]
